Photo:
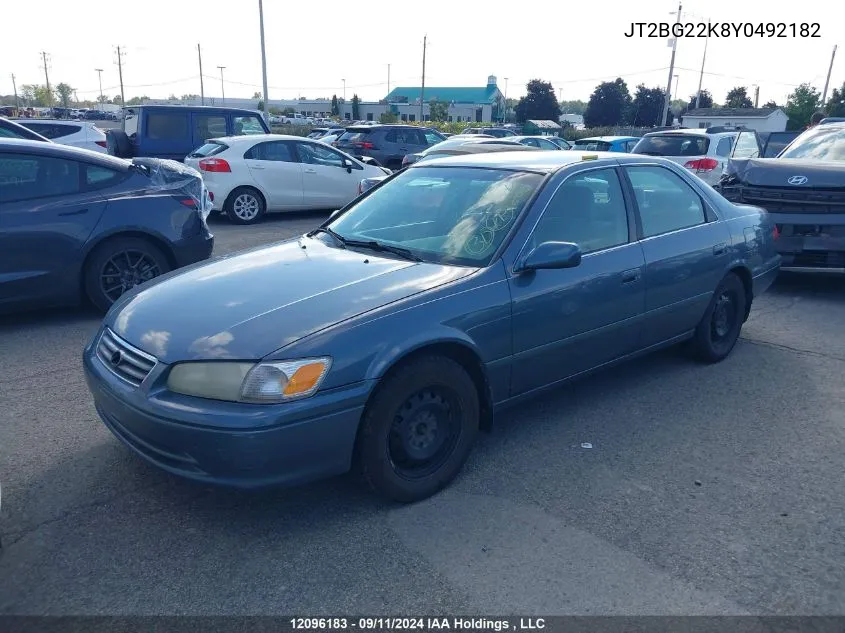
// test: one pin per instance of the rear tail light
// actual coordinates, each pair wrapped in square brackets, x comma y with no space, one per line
[189,202]
[214,165]
[775,232]
[364,145]
[101,143]
[702,164]
[211,196]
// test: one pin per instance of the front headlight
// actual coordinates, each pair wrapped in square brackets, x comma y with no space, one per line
[263,383]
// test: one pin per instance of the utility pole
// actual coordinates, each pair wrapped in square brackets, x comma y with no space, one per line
[756,95]
[422,87]
[47,79]
[505,116]
[263,55]
[120,55]
[671,73]
[701,74]
[99,72]
[222,87]
[677,79]
[202,89]
[827,80]
[15,88]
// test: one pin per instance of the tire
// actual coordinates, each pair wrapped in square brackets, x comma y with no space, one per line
[117,144]
[121,263]
[245,205]
[719,329]
[410,457]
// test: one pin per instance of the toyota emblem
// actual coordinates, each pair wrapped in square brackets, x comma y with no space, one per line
[797,180]
[116,358]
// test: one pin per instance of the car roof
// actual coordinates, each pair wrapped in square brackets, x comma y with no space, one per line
[242,139]
[608,139]
[71,121]
[185,108]
[61,151]
[545,161]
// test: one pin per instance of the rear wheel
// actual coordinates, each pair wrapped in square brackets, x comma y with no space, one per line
[419,429]
[245,205]
[120,264]
[719,329]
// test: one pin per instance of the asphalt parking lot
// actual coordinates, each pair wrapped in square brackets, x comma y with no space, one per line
[708,489]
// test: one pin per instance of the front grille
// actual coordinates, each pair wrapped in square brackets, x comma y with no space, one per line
[793,200]
[122,359]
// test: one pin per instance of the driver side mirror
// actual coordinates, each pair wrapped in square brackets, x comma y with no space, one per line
[550,256]
[348,165]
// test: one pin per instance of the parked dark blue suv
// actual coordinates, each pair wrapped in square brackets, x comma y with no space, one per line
[163,131]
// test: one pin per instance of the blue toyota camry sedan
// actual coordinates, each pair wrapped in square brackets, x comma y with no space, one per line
[388,337]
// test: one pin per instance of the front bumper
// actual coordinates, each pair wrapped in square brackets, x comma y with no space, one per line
[226,443]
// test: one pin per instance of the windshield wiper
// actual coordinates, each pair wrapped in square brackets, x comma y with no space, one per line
[324,229]
[384,248]
[373,245]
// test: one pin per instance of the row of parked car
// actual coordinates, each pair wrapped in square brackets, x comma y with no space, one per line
[246,172]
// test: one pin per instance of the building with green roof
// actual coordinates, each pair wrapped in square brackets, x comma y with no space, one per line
[471,104]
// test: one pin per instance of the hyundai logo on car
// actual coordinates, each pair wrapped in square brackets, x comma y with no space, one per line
[797,180]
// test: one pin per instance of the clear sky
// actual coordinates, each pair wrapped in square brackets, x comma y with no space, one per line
[313,46]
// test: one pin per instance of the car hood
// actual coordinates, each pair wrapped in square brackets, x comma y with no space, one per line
[777,172]
[248,305]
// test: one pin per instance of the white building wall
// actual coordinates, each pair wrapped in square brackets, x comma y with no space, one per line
[776,122]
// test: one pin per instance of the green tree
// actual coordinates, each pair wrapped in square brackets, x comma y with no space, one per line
[800,106]
[538,103]
[388,117]
[438,110]
[189,97]
[335,106]
[260,105]
[44,97]
[836,105]
[288,111]
[117,100]
[647,107]
[256,95]
[705,100]
[28,94]
[102,99]
[608,105]
[64,92]
[770,104]
[573,107]
[738,98]
[135,100]
[356,107]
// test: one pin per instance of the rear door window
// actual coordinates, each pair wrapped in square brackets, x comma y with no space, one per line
[99,177]
[665,202]
[747,146]
[724,147]
[673,145]
[167,125]
[278,151]
[356,136]
[208,126]
[53,130]
[208,149]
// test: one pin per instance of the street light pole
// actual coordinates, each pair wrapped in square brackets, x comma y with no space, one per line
[827,80]
[263,55]
[222,87]
[100,77]
[671,72]
[701,74]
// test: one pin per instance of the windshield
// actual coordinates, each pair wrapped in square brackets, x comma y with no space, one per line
[454,215]
[209,149]
[591,145]
[673,145]
[819,143]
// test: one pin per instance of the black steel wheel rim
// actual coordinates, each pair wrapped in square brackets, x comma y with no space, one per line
[724,318]
[424,432]
[125,270]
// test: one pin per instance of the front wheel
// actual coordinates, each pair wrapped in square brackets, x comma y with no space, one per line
[718,331]
[419,429]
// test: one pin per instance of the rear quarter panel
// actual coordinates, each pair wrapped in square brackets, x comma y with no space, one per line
[752,240]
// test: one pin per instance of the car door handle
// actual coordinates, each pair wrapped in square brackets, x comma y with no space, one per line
[403,149]
[630,276]
[77,212]
[310,171]
[720,249]
[256,167]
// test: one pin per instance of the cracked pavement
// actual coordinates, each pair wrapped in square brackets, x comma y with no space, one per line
[534,524]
